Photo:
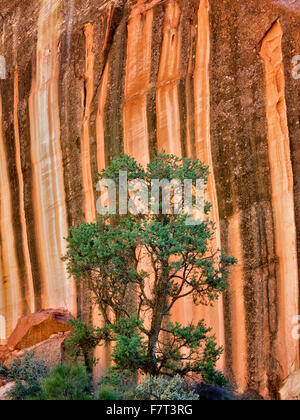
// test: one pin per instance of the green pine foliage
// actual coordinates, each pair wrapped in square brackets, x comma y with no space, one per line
[83,341]
[106,258]
[66,383]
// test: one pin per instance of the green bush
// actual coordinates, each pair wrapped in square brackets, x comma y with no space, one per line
[23,391]
[67,383]
[33,381]
[162,388]
[123,387]
[117,385]
[28,374]
[108,394]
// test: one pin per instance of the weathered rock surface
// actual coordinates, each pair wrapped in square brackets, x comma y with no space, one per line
[4,352]
[4,390]
[87,79]
[51,351]
[44,333]
[291,387]
[289,4]
[38,327]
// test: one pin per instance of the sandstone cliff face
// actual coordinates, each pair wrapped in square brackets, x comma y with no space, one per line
[87,79]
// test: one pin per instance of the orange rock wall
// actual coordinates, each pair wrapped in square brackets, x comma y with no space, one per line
[89,79]
[282,192]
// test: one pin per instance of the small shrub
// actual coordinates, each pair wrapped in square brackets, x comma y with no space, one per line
[108,394]
[23,391]
[67,383]
[117,386]
[162,388]
[28,374]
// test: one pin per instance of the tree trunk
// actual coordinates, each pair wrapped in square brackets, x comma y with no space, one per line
[156,323]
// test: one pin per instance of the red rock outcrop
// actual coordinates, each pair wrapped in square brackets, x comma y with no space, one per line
[44,333]
[38,327]
[211,79]
[51,351]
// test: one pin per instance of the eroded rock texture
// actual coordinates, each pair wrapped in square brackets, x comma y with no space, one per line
[87,79]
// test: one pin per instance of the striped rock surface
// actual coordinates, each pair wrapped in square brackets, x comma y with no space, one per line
[88,79]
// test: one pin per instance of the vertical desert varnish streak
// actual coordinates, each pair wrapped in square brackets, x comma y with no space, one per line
[102,353]
[88,191]
[46,154]
[213,316]
[138,67]
[168,112]
[282,195]
[167,102]
[100,119]
[11,305]
[30,301]
[236,289]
